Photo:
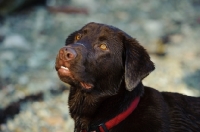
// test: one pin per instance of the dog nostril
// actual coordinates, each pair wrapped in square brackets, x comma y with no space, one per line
[70,53]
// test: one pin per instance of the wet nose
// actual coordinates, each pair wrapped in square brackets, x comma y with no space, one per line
[67,53]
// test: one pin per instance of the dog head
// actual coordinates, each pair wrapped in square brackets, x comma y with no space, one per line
[99,57]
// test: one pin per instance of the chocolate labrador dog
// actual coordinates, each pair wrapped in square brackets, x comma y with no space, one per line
[105,67]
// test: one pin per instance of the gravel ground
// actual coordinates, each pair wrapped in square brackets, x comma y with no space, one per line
[29,42]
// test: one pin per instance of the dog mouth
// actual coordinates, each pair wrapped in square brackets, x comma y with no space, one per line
[65,68]
[64,73]
[86,85]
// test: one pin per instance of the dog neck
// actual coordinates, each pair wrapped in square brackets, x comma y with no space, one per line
[105,127]
[91,109]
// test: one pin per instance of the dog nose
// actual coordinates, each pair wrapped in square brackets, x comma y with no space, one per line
[67,53]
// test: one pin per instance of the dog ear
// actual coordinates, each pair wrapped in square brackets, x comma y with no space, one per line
[137,62]
[70,39]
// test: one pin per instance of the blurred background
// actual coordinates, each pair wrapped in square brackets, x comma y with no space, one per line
[33,99]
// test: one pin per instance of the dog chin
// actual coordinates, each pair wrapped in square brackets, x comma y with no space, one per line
[73,82]
[67,80]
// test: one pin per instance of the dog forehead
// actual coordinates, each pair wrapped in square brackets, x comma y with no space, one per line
[97,32]
[98,28]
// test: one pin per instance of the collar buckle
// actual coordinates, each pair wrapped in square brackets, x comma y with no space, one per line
[98,128]
[103,126]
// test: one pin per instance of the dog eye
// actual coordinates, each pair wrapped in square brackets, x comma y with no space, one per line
[78,37]
[103,46]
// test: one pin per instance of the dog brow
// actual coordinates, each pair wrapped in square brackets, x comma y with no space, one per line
[102,38]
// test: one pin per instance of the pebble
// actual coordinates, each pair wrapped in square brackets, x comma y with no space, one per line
[7,56]
[16,41]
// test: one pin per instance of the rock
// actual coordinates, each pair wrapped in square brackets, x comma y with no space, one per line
[23,80]
[154,28]
[7,56]
[16,41]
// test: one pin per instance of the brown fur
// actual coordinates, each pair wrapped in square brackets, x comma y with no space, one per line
[112,78]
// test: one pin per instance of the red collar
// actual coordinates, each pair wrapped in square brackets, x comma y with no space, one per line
[105,127]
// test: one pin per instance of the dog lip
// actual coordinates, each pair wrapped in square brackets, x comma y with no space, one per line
[63,67]
[86,85]
[63,71]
